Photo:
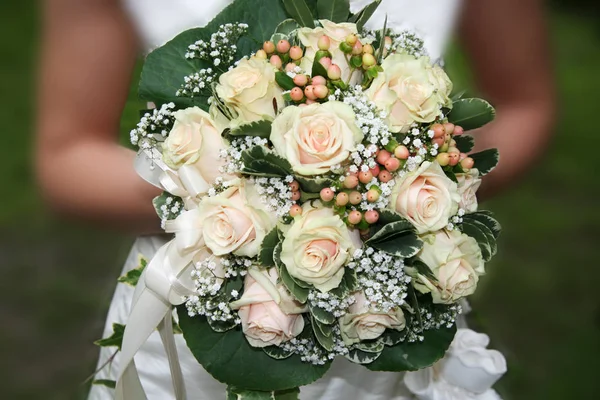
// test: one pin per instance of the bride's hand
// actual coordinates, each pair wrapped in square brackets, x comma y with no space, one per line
[89,51]
[508,48]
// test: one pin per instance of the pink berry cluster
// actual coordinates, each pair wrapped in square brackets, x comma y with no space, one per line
[449,154]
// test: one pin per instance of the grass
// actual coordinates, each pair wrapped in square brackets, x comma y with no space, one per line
[539,301]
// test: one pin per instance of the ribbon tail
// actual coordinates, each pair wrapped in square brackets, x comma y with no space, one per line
[166,334]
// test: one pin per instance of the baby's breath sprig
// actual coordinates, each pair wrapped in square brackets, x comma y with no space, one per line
[409,43]
[434,316]
[311,352]
[233,153]
[153,128]
[276,194]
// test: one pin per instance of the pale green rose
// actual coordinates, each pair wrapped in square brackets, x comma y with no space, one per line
[337,33]
[236,220]
[317,247]
[250,90]
[455,261]
[195,140]
[409,90]
[426,197]
[468,185]
[361,323]
[316,137]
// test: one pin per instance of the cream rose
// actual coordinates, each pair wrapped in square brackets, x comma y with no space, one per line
[317,246]
[250,90]
[426,197]
[235,221]
[269,314]
[409,90]
[361,323]
[316,137]
[468,185]
[195,141]
[443,83]
[456,263]
[337,33]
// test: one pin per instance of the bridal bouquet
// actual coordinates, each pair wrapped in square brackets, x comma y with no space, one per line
[319,187]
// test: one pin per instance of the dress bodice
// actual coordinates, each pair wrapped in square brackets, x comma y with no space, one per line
[158,21]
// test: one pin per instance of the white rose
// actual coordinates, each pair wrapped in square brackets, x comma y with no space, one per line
[409,90]
[269,314]
[317,246]
[361,323]
[455,262]
[235,221]
[195,141]
[426,197]
[468,185]
[316,137]
[337,33]
[250,90]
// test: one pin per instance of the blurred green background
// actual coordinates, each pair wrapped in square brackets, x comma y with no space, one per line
[539,303]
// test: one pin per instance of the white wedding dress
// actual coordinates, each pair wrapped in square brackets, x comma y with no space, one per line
[157,22]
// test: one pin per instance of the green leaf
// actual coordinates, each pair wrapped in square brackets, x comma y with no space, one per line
[234,393]
[322,316]
[277,353]
[105,382]
[397,238]
[392,337]
[260,161]
[362,357]
[333,10]
[356,61]
[267,248]
[313,185]
[424,270]
[287,27]
[471,113]
[389,216]
[260,128]
[483,235]
[486,218]
[291,394]
[221,326]
[284,81]
[114,340]
[361,18]
[132,277]
[296,289]
[464,143]
[229,358]
[486,160]
[414,356]
[376,346]
[318,69]
[323,333]
[298,10]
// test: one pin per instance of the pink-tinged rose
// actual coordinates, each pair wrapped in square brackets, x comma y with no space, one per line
[468,185]
[361,323]
[426,197]
[456,263]
[316,137]
[235,221]
[269,314]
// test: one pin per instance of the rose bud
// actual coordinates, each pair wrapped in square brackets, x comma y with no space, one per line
[309,92]
[300,80]
[341,199]
[295,186]
[261,54]
[351,39]
[392,164]
[365,177]
[443,159]
[334,72]
[453,159]
[327,194]
[458,130]
[295,210]
[321,91]
[296,53]
[355,198]
[402,152]
[351,182]
[438,130]
[375,171]
[325,61]
[357,49]
[368,49]
[368,60]
[276,61]
[372,195]
[290,67]
[296,196]
[318,80]
[354,217]
[449,127]
[283,46]
[269,47]
[383,156]
[467,163]
[297,94]
[385,176]
[371,216]
[324,42]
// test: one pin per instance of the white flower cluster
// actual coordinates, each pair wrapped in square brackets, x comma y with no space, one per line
[435,317]
[171,208]
[456,220]
[311,352]
[221,48]
[153,127]
[382,278]
[197,83]
[219,186]
[234,153]
[408,42]
[276,194]
[418,143]
[384,199]
[338,306]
